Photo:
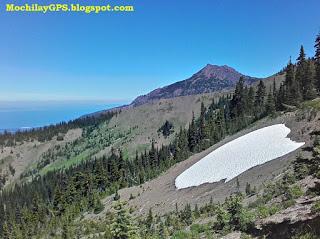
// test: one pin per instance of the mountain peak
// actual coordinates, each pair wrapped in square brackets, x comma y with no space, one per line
[209,79]
[220,72]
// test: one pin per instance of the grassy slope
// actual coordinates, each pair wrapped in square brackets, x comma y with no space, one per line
[131,130]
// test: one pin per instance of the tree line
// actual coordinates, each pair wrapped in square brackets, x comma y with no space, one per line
[46,133]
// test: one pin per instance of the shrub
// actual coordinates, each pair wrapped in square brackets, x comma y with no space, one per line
[307,235]
[246,220]
[181,235]
[288,203]
[198,228]
[295,192]
[316,207]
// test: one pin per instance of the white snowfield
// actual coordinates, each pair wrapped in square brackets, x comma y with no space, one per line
[239,155]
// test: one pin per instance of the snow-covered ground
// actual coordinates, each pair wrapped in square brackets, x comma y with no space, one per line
[239,155]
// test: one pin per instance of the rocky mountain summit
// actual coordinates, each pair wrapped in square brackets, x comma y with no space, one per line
[208,79]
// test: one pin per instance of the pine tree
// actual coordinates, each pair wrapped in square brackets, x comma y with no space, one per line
[122,226]
[203,129]
[301,71]
[238,103]
[274,89]
[292,93]
[234,208]
[149,220]
[270,105]
[238,185]
[309,90]
[193,134]
[65,231]
[196,211]
[223,218]
[317,62]
[280,98]
[250,102]
[248,189]
[260,99]
[186,215]
[6,233]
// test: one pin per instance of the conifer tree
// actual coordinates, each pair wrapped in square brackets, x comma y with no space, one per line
[186,215]
[301,72]
[317,62]
[192,134]
[248,189]
[270,105]
[260,99]
[309,90]
[203,129]
[280,98]
[292,93]
[274,89]
[122,226]
[149,222]
[6,231]
[250,103]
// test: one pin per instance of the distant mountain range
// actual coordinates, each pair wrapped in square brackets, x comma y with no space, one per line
[208,79]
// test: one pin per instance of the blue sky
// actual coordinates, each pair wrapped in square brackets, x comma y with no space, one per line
[115,57]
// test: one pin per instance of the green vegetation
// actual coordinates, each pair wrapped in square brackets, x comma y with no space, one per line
[166,129]
[75,181]
[48,132]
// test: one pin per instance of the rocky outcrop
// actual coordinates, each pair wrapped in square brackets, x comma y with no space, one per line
[290,221]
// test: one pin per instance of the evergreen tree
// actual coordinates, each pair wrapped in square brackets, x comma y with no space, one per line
[193,134]
[274,89]
[223,218]
[203,130]
[149,220]
[270,105]
[238,185]
[6,231]
[122,226]
[280,98]
[309,90]
[248,189]
[250,101]
[238,102]
[301,72]
[317,62]
[260,99]
[234,208]
[292,93]
[196,211]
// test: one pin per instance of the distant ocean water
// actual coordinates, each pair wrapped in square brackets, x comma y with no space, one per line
[25,115]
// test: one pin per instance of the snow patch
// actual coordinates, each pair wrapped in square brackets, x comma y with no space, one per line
[239,155]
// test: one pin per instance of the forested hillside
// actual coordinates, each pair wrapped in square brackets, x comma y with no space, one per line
[51,204]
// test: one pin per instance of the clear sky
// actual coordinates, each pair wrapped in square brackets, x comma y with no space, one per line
[115,57]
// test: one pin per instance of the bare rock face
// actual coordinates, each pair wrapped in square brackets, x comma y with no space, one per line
[209,79]
[285,223]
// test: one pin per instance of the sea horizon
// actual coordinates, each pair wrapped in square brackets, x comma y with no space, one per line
[26,115]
